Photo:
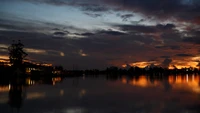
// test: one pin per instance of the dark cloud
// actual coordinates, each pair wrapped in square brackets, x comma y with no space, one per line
[175,47]
[87,34]
[94,8]
[93,15]
[194,40]
[110,32]
[165,27]
[126,17]
[137,28]
[147,29]
[184,55]
[165,57]
[166,62]
[56,29]
[59,33]
[161,47]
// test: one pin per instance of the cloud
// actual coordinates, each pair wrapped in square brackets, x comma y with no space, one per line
[59,33]
[166,62]
[147,29]
[184,55]
[161,10]
[126,17]
[110,32]
[165,57]
[93,8]
[93,15]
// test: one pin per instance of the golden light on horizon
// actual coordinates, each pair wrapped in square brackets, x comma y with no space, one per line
[142,64]
[177,63]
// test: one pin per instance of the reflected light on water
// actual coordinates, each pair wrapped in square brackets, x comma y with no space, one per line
[61,92]
[82,93]
[3,99]
[187,82]
[75,110]
[56,79]
[35,95]
[4,88]
[142,81]
[124,80]
[30,82]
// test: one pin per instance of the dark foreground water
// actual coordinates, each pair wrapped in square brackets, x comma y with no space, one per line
[173,94]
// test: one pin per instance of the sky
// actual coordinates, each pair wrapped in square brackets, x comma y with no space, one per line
[87,34]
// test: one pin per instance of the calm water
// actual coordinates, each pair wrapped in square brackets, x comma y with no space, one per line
[173,94]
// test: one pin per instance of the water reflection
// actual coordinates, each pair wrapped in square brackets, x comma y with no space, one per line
[106,94]
[16,93]
[183,82]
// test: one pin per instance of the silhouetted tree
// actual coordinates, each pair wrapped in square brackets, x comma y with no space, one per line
[16,54]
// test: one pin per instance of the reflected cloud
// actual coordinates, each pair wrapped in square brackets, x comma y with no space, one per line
[75,110]
[3,99]
[35,95]
[62,92]
[82,93]
[81,53]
